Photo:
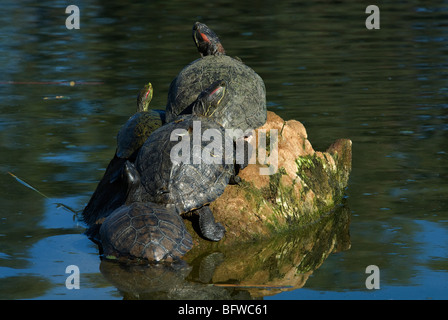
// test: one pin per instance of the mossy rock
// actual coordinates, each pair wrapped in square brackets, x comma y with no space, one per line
[306,185]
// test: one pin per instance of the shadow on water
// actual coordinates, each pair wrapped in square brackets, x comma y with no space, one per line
[247,271]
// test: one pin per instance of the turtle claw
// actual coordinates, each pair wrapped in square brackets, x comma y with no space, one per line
[215,232]
[234,180]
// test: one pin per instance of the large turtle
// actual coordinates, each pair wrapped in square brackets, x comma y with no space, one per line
[110,193]
[189,174]
[246,93]
[143,230]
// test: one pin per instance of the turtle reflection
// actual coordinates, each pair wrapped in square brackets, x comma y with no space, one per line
[247,271]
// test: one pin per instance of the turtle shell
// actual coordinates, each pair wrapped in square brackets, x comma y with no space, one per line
[193,182]
[145,230]
[245,98]
[136,130]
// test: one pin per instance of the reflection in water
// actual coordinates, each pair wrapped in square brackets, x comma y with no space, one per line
[247,271]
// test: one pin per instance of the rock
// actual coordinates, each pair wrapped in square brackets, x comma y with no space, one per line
[306,185]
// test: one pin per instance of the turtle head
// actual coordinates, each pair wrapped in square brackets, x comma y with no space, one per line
[144,98]
[210,99]
[206,40]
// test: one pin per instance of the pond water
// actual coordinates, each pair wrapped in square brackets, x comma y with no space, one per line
[385,89]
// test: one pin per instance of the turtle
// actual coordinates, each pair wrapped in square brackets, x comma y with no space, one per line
[189,182]
[137,129]
[143,230]
[110,194]
[246,92]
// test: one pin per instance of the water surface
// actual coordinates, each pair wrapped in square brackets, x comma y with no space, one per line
[384,89]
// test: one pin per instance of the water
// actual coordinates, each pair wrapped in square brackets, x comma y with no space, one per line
[384,89]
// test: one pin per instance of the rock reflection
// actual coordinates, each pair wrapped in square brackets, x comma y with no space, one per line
[244,271]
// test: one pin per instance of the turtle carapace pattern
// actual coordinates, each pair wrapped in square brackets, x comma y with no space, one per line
[245,99]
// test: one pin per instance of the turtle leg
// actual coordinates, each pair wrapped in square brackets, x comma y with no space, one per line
[132,178]
[210,229]
[235,179]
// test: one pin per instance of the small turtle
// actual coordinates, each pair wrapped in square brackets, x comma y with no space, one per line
[189,182]
[137,129]
[110,194]
[143,230]
[246,93]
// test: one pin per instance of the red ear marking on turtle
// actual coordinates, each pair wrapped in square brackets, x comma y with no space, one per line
[147,92]
[204,37]
[214,91]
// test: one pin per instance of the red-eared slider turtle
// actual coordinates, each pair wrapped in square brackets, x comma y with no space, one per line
[246,93]
[143,230]
[190,173]
[137,129]
[207,41]
[110,194]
